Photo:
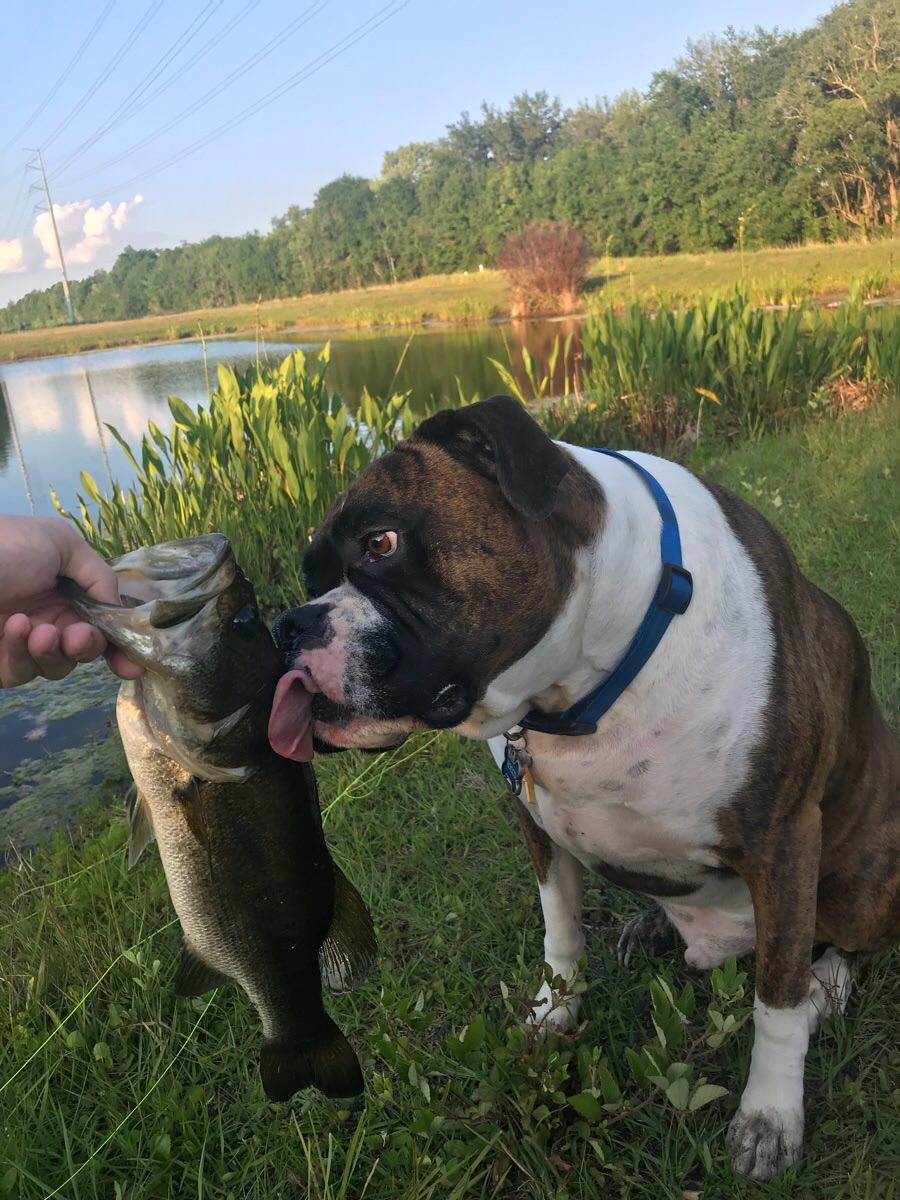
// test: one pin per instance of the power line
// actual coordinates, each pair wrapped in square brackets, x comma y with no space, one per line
[76,59]
[16,210]
[105,74]
[132,101]
[239,71]
[191,62]
[338,48]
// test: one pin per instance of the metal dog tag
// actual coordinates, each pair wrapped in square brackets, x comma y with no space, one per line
[516,767]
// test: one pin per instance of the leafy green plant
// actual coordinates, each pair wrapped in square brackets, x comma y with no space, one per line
[261,464]
[647,374]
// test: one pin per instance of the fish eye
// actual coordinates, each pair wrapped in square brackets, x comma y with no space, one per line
[380,544]
[246,621]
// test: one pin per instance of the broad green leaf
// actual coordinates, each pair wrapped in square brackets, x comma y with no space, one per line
[677,1093]
[705,1094]
[587,1105]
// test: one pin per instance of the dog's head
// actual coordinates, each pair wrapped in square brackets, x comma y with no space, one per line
[442,565]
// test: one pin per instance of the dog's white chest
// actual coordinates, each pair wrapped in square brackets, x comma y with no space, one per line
[616,797]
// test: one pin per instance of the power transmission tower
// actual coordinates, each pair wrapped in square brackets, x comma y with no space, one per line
[59,250]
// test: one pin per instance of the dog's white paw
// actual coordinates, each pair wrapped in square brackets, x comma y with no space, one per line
[766,1142]
[830,984]
[554,1010]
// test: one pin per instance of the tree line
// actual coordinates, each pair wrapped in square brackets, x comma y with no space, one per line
[762,138]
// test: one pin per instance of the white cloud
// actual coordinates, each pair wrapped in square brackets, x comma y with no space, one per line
[84,229]
[12,256]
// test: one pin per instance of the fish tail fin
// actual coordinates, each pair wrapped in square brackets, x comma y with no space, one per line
[326,1061]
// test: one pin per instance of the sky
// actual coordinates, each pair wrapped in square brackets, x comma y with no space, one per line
[112,90]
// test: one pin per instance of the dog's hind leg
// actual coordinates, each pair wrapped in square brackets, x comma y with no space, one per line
[560,882]
[650,931]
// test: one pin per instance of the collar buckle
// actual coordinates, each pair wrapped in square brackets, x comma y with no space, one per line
[676,587]
[557,724]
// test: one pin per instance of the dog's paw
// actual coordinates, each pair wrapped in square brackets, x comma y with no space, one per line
[650,931]
[830,984]
[764,1143]
[554,1010]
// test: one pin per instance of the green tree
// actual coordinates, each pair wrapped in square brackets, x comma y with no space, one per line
[845,105]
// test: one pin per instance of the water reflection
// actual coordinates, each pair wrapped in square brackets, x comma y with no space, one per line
[58,408]
[5,430]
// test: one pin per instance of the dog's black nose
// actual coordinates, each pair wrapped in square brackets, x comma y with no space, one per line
[302,628]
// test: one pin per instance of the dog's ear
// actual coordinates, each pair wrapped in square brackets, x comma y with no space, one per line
[499,439]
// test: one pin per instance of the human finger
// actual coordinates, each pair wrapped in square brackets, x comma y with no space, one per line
[120,664]
[84,565]
[16,664]
[82,642]
[45,648]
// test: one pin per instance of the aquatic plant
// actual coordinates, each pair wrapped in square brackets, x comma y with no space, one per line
[652,378]
[260,464]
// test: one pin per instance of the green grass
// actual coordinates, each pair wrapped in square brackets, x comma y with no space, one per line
[451,298]
[770,275]
[117,1091]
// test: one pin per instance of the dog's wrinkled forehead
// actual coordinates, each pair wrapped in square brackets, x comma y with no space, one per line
[418,489]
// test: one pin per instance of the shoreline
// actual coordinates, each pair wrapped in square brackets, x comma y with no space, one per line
[775,279]
[381,328]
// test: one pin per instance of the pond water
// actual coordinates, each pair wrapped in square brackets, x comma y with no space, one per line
[53,411]
[55,738]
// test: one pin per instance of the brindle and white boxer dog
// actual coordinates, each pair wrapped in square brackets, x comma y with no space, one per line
[746,781]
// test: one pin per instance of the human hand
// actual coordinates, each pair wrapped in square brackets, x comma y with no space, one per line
[39,633]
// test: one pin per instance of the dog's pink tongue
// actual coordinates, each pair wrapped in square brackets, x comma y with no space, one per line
[290,722]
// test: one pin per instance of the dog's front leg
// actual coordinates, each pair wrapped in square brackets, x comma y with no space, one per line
[560,882]
[766,1134]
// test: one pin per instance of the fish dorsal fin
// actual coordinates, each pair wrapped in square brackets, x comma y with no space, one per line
[140,824]
[193,977]
[350,949]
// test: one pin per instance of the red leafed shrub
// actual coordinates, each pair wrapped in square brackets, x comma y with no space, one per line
[546,265]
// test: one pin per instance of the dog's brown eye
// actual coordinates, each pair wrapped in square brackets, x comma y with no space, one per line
[381,545]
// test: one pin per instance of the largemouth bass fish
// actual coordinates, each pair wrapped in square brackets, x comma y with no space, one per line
[239,830]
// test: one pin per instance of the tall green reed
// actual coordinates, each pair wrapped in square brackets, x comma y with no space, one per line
[261,464]
[653,377]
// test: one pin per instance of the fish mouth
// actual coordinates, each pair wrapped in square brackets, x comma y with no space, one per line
[162,587]
[174,570]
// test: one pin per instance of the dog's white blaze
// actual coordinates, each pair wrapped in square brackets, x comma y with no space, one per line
[332,666]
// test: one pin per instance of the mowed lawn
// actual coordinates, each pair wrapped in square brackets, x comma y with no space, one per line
[113,1089]
[770,276]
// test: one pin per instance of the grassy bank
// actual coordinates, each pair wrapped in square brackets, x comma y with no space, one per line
[770,276]
[112,1088]
[452,298]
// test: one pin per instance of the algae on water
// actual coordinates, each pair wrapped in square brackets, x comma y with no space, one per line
[57,745]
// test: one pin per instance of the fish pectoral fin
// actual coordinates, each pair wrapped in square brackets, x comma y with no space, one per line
[140,824]
[350,948]
[193,977]
[190,798]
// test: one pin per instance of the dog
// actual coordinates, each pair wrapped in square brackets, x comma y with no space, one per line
[744,780]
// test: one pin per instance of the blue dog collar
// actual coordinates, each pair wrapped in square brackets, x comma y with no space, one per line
[672,599]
